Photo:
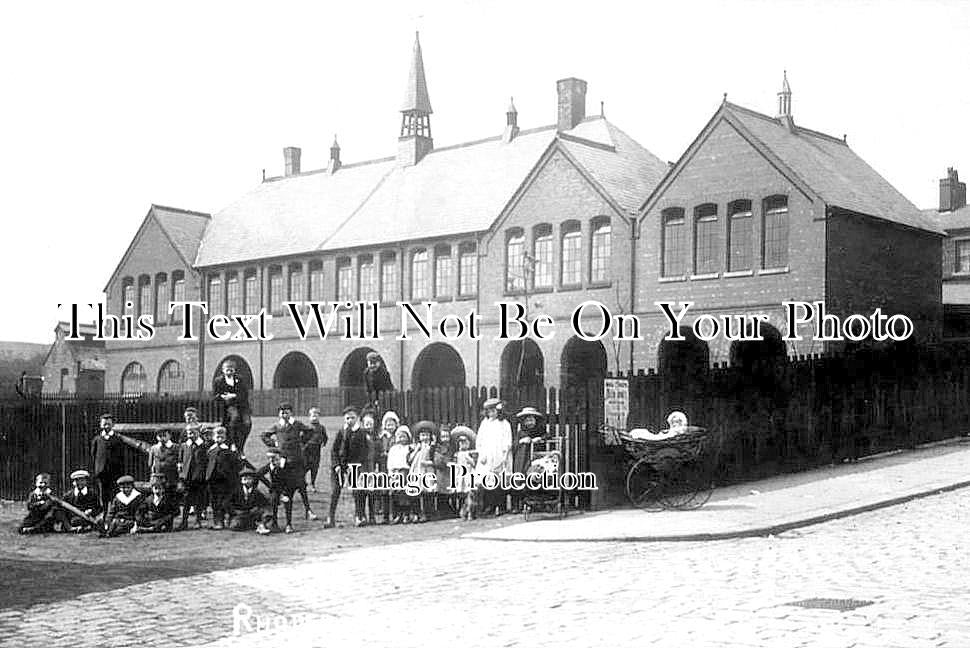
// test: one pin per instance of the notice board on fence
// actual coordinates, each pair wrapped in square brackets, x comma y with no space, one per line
[616,402]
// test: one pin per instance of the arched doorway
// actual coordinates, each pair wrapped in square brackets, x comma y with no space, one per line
[522,365]
[242,370]
[684,367]
[295,370]
[438,365]
[352,370]
[582,361]
[760,357]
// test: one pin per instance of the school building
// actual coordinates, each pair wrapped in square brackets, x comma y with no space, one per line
[756,211]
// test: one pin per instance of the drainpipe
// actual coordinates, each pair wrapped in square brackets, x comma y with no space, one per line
[201,337]
[634,236]
[400,344]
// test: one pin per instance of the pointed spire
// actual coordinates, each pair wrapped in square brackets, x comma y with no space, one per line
[784,97]
[416,94]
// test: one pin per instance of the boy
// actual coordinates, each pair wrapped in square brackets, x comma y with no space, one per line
[282,485]
[360,450]
[157,512]
[193,462]
[220,474]
[314,438]
[338,459]
[249,508]
[123,509]
[81,497]
[40,508]
[286,435]
[163,459]
[107,459]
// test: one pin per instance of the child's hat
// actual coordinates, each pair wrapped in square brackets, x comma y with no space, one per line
[405,430]
[351,408]
[80,474]
[125,479]
[530,411]
[286,405]
[273,451]
[424,426]
[463,431]
[492,403]
[373,355]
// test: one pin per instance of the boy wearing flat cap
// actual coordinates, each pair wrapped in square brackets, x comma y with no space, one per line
[82,497]
[282,485]
[249,508]
[123,509]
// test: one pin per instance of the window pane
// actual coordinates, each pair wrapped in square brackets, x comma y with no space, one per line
[543,276]
[420,285]
[171,379]
[253,300]
[962,256]
[215,297]
[674,244]
[706,240]
[367,280]
[133,379]
[276,291]
[161,300]
[296,285]
[515,263]
[129,297]
[389,280]
[467,273]
[316,283]
[739,236]
[178,295]
[442,275]
[233,296]
[572,258]
[345,281]
[144,297]
[776,238]
[600,256]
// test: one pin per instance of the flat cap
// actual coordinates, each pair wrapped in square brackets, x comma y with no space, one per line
[80,474]
[125,479]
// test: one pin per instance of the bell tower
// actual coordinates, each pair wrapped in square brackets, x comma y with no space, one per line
[415,140]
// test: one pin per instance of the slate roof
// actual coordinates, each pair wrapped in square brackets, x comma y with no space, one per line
[184,228]
[453,190]
[950,220]
[833,170]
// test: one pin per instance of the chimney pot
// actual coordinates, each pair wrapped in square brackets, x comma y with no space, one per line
[572,102]
[291,160]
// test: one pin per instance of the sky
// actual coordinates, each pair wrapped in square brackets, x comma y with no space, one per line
[109,107]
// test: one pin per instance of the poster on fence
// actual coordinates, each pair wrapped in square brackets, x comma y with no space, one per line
[616,406]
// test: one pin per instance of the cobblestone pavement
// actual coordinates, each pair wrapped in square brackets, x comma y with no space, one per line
[910,561]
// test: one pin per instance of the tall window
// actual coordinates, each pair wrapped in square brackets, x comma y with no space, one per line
[133,379]
[128,295]
[366,279]
[178,294]
[316,281]
[572,255]
[161,299]
[706,247]
[216,307]
[144,295]
[739,235]
[276,290]
[673,243]
[297,284]
[420,279]
[442,271]
[251,298]
[543,256]
[962,249]
[233,295]
[345,280]
[389,277]
[600,250]
[467,270]
[515,261]
[171,378]
[775,236]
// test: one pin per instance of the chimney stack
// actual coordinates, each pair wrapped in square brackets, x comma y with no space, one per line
[291,161]
[334,156]
[953,193]
[572,102]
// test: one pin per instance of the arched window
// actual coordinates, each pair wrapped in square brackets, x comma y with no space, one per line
[467,269]
[161,299]
[572,254]
[673,243]
[178,294]
[128,295]
[543,251]
[600,250]
[276,290]
[133,379]
[774,242]
[297,283]
[366,279]
[389,277]
[515,260]
[442,271]
[316,281]
[216,307]
[144,295]
[171,378]
[739,235]
[345,280]
[706,247]
[420,277]
[251,300]
[233,294]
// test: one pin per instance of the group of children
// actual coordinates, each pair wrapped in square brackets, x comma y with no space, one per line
[204,471]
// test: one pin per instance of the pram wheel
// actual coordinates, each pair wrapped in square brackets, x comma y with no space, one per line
[643,485]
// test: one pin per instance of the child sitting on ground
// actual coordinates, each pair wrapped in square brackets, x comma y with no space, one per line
[123,509]
[82,497]
[157,511]
[40,508]
[249,508]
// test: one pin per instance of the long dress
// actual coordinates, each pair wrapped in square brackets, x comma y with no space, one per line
[494,444]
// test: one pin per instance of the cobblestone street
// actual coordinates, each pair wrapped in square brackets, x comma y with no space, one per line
[910,561]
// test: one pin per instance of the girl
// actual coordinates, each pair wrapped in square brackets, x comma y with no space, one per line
[398,462]
[422,461]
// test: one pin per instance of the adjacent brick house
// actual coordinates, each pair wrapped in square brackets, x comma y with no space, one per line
[758,211]
[75,366]
[953,216]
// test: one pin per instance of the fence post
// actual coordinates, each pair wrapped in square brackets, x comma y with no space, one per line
[64,473]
